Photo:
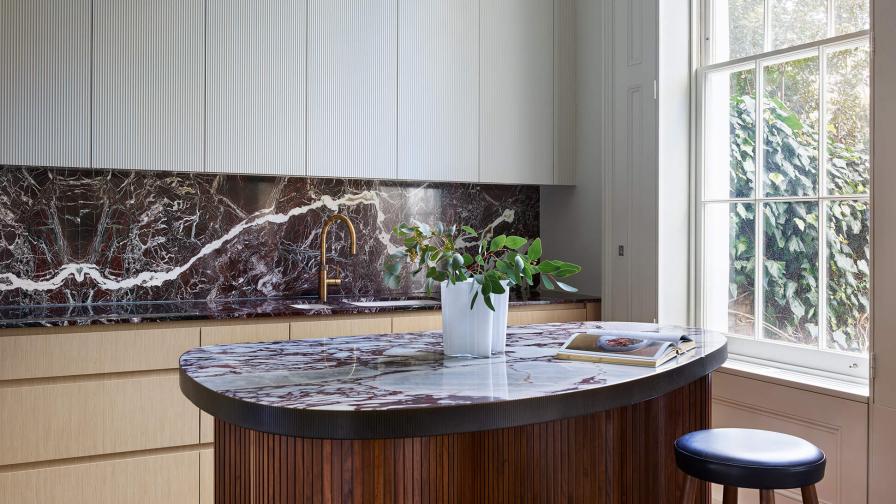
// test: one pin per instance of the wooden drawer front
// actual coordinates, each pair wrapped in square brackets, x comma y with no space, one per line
[244,333]
[412,323]
[55,421]
[354,326]
[78,353]
[169,478]
[207,476]
[520,317]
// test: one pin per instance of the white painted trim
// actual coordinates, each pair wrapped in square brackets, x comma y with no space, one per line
[802,379]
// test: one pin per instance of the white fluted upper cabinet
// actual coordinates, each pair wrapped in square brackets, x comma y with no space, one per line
[517,117]
[352,81]
[148,84]
[45,82]
[255,85]
[438,90]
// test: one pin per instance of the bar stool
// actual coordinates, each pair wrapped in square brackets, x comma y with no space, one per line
[749,458]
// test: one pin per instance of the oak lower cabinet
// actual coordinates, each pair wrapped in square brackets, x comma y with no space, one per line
[95,414]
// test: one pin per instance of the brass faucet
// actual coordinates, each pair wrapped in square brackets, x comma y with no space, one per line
[325,279]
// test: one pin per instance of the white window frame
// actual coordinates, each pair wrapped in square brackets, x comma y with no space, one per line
[821,361]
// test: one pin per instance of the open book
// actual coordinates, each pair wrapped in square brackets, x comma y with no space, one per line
[634,348]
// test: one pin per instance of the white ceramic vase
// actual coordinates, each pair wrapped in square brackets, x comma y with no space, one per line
[472,332]
[501,302]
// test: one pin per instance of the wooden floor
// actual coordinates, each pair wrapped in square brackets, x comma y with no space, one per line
[618,456]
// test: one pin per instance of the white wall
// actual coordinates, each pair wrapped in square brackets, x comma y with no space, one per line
[571,216]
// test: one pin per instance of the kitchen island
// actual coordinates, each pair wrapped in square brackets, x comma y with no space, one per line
[387,418]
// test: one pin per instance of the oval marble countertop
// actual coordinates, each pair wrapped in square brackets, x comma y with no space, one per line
[401,385]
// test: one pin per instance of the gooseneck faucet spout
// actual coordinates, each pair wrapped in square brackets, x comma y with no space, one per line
[325,279]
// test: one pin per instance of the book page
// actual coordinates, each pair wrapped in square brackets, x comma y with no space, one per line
[619,346]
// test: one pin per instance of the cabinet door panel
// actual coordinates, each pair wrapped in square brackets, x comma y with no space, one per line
[438,90]
[45,88]
[352,47]
[148,84]
[517,132]
[256,87]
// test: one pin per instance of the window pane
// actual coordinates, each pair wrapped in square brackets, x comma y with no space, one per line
[790,112]
[729,267]
[737,28]
[795,22]
[790,272]
[847,105]
[847,231]
[851,16]
[730,134]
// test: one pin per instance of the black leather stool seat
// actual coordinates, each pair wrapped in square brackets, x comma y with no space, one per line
[749,458]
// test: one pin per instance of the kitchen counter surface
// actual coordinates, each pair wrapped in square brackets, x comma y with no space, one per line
[116,313]
[401,385]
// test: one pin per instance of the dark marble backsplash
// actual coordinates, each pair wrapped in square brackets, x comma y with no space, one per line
[72,236]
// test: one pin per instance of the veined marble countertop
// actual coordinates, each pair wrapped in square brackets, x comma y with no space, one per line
[167,311]
[400,385]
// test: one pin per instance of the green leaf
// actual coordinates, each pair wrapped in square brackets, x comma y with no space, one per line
[534,252]
[473,301]
[547,282]
[515,242]
[566,287]
[488,301]
[469,230]
[497,243]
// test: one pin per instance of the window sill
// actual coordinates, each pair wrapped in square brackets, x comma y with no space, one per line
[846,388]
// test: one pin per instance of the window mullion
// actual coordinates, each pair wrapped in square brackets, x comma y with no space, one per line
[766,26]
[758,220]
[822,190]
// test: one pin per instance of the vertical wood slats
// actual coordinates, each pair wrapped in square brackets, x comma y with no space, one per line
[352,82]
[45,84]
[438,90]
[148,67]
[255,82]
[622,455]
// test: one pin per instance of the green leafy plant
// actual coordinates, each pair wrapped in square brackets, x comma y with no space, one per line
[456,254]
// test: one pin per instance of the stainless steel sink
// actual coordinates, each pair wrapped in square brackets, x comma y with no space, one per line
[311,306]
[395,303]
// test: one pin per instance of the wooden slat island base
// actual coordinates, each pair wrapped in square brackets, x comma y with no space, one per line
[622,455]
[390,418]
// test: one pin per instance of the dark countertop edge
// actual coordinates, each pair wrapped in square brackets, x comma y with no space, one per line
[414,422]
[152,312]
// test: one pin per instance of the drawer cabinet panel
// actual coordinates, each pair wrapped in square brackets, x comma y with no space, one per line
[412,323]
[77,353]
[355,326]
[169,478]
[520,317]
[56,421]
[244,333]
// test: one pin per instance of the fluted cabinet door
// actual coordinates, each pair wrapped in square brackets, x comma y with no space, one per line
[438,90]
[352,47]
[565,85]
[255,85]
[148,84]
[45,82]
[517,116]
